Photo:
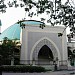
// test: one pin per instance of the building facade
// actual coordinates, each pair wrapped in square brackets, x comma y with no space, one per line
[43,45]
[39,42]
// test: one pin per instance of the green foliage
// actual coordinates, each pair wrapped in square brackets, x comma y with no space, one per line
[62,14]
[23,69]
[7,49]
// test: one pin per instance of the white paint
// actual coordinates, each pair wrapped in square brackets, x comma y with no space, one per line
[33,48]
[64,47]
[47,29]
[23,47]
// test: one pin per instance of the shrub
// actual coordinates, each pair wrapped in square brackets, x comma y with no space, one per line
[23,69]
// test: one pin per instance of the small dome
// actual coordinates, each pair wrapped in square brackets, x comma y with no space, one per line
[13,32]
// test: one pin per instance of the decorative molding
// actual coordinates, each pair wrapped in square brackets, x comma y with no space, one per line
[59,56]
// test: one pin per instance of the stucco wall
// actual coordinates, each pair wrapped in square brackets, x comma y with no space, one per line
[33,37]
[31,34]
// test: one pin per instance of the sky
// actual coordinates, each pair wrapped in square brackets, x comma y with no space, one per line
[12,15]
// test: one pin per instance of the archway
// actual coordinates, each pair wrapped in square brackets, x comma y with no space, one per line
[45,55]
[39,44]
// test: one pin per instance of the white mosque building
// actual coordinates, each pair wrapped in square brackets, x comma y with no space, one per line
[39,42]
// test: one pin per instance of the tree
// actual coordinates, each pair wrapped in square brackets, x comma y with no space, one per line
[61,14]
[7,49]
[58,13]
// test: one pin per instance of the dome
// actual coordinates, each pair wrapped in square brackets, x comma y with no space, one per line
[13,32]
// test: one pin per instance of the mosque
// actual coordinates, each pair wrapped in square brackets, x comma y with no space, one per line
[39,42]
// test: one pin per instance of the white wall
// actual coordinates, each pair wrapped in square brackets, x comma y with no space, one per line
[27,41]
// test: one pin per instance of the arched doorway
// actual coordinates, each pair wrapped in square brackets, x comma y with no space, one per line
[39,45]
[45,55]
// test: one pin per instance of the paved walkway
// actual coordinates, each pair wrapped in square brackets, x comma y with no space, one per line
[63,73]
[47,73]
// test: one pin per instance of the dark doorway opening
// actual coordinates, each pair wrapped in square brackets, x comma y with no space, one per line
[45,54]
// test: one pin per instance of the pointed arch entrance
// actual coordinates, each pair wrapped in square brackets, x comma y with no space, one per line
[39,48]
[45,55]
